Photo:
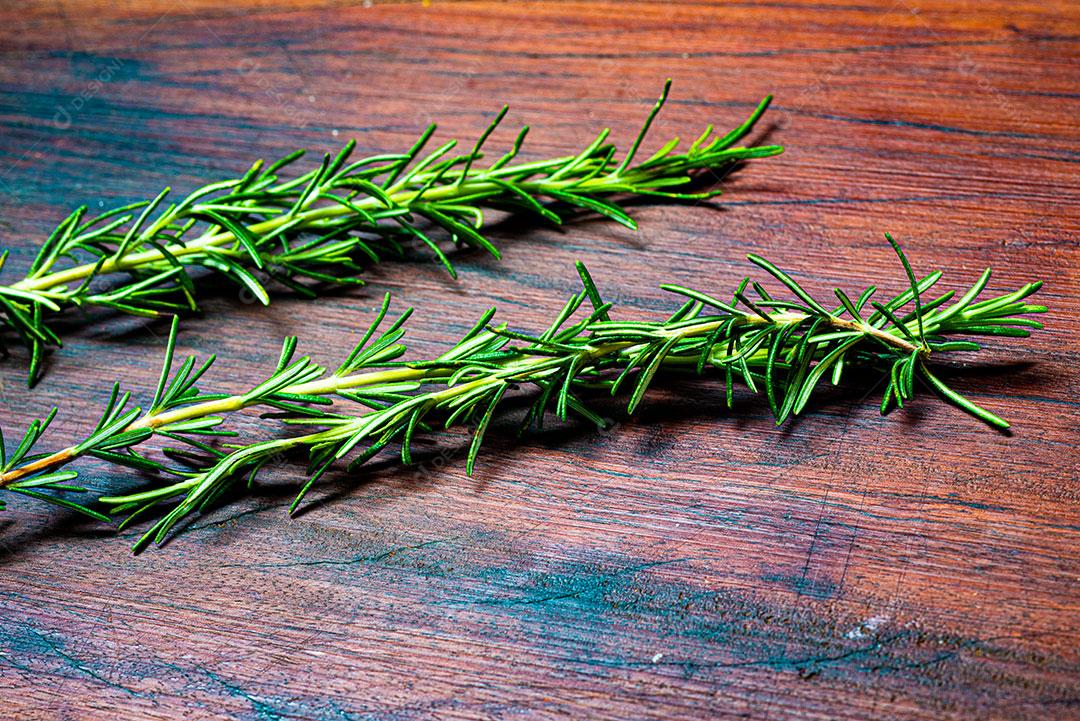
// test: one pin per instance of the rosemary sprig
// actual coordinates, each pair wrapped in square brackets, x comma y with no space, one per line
[784,348]
[320,226]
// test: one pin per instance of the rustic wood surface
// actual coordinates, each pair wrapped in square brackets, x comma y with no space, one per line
[692,563]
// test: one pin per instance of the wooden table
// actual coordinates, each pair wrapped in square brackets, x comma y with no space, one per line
[695,562]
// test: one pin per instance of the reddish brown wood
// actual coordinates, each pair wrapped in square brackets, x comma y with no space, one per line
[690,564]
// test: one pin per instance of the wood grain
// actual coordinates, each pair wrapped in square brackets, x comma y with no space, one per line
[693,563]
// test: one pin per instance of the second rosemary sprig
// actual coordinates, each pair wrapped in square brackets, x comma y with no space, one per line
[784,348]
[321,226]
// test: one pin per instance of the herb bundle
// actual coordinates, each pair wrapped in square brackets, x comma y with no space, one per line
[321,226]
[783,347]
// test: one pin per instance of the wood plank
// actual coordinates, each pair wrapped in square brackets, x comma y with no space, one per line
[693,562]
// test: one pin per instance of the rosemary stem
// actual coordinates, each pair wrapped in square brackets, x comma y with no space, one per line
[783,348]
[480,187]
[888,337]
[327,386]
[511,370]
[218,240]
[324,226]
[515,369]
